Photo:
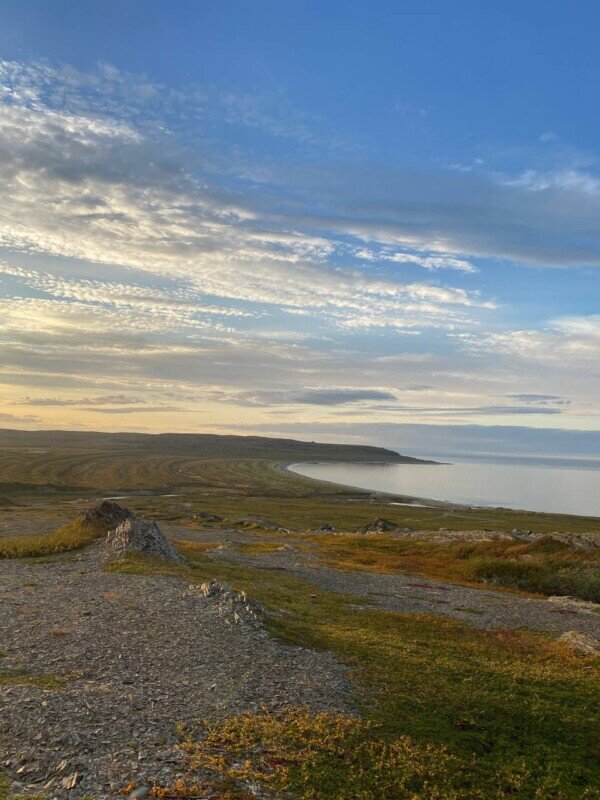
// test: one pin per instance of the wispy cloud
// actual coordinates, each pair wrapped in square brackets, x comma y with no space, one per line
[147,270]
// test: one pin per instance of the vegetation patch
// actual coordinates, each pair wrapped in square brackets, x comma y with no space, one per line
[545,566]
[21,677]
[509,713]
[299,754]
[72,536]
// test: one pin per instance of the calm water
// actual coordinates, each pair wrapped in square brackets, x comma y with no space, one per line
[567,486]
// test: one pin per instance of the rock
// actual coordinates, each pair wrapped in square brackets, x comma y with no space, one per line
[141,791]
[326,526]
[71,781]
[379,525]
[107,513]
[566,601]
[141,536]
[256,522]
[518,534]
[207,516]
[235,606]
[582,642]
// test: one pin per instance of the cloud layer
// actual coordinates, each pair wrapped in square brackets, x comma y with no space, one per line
[147,269]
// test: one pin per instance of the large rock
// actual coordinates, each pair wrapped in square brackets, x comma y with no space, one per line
[108,514]
[141,536]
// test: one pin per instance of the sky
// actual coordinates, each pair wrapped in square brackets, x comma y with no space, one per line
[347,221]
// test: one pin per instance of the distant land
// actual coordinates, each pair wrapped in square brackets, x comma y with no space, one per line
[203,445]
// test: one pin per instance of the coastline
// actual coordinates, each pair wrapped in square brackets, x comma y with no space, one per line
[392,498]
[423,501]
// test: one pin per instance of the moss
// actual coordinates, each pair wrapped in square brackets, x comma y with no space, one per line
[21,677]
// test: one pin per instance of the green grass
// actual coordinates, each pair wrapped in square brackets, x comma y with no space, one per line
[510,714]
[68,537]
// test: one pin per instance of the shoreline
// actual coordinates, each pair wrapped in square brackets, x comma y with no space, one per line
[398,499]
[415,500]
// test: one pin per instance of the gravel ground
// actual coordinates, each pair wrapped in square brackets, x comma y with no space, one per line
[482,608]
[137,654]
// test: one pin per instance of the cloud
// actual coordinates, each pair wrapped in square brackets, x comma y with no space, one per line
[314,397]
[432,263]
[14,419]
[476,214]
[142,409]
[82,183]
[570,343]
[541,399]
[148,265]
[60,402]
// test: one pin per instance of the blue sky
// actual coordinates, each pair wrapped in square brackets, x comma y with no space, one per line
[334,220]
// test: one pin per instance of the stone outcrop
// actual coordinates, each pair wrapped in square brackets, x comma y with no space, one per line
[574,604]
[108,514]
[381,525]
[140,536]
[234,607]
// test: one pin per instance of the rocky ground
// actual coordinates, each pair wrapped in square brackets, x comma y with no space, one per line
[135,655]
[482,608]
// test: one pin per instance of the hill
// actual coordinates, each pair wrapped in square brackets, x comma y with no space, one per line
[200,445]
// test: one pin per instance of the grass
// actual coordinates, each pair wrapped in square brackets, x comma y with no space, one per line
[72,536]
[451,711]
[21,677]
[546,566]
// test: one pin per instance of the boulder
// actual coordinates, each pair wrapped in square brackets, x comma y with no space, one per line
[141,536]
[108,514]
[519,534]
